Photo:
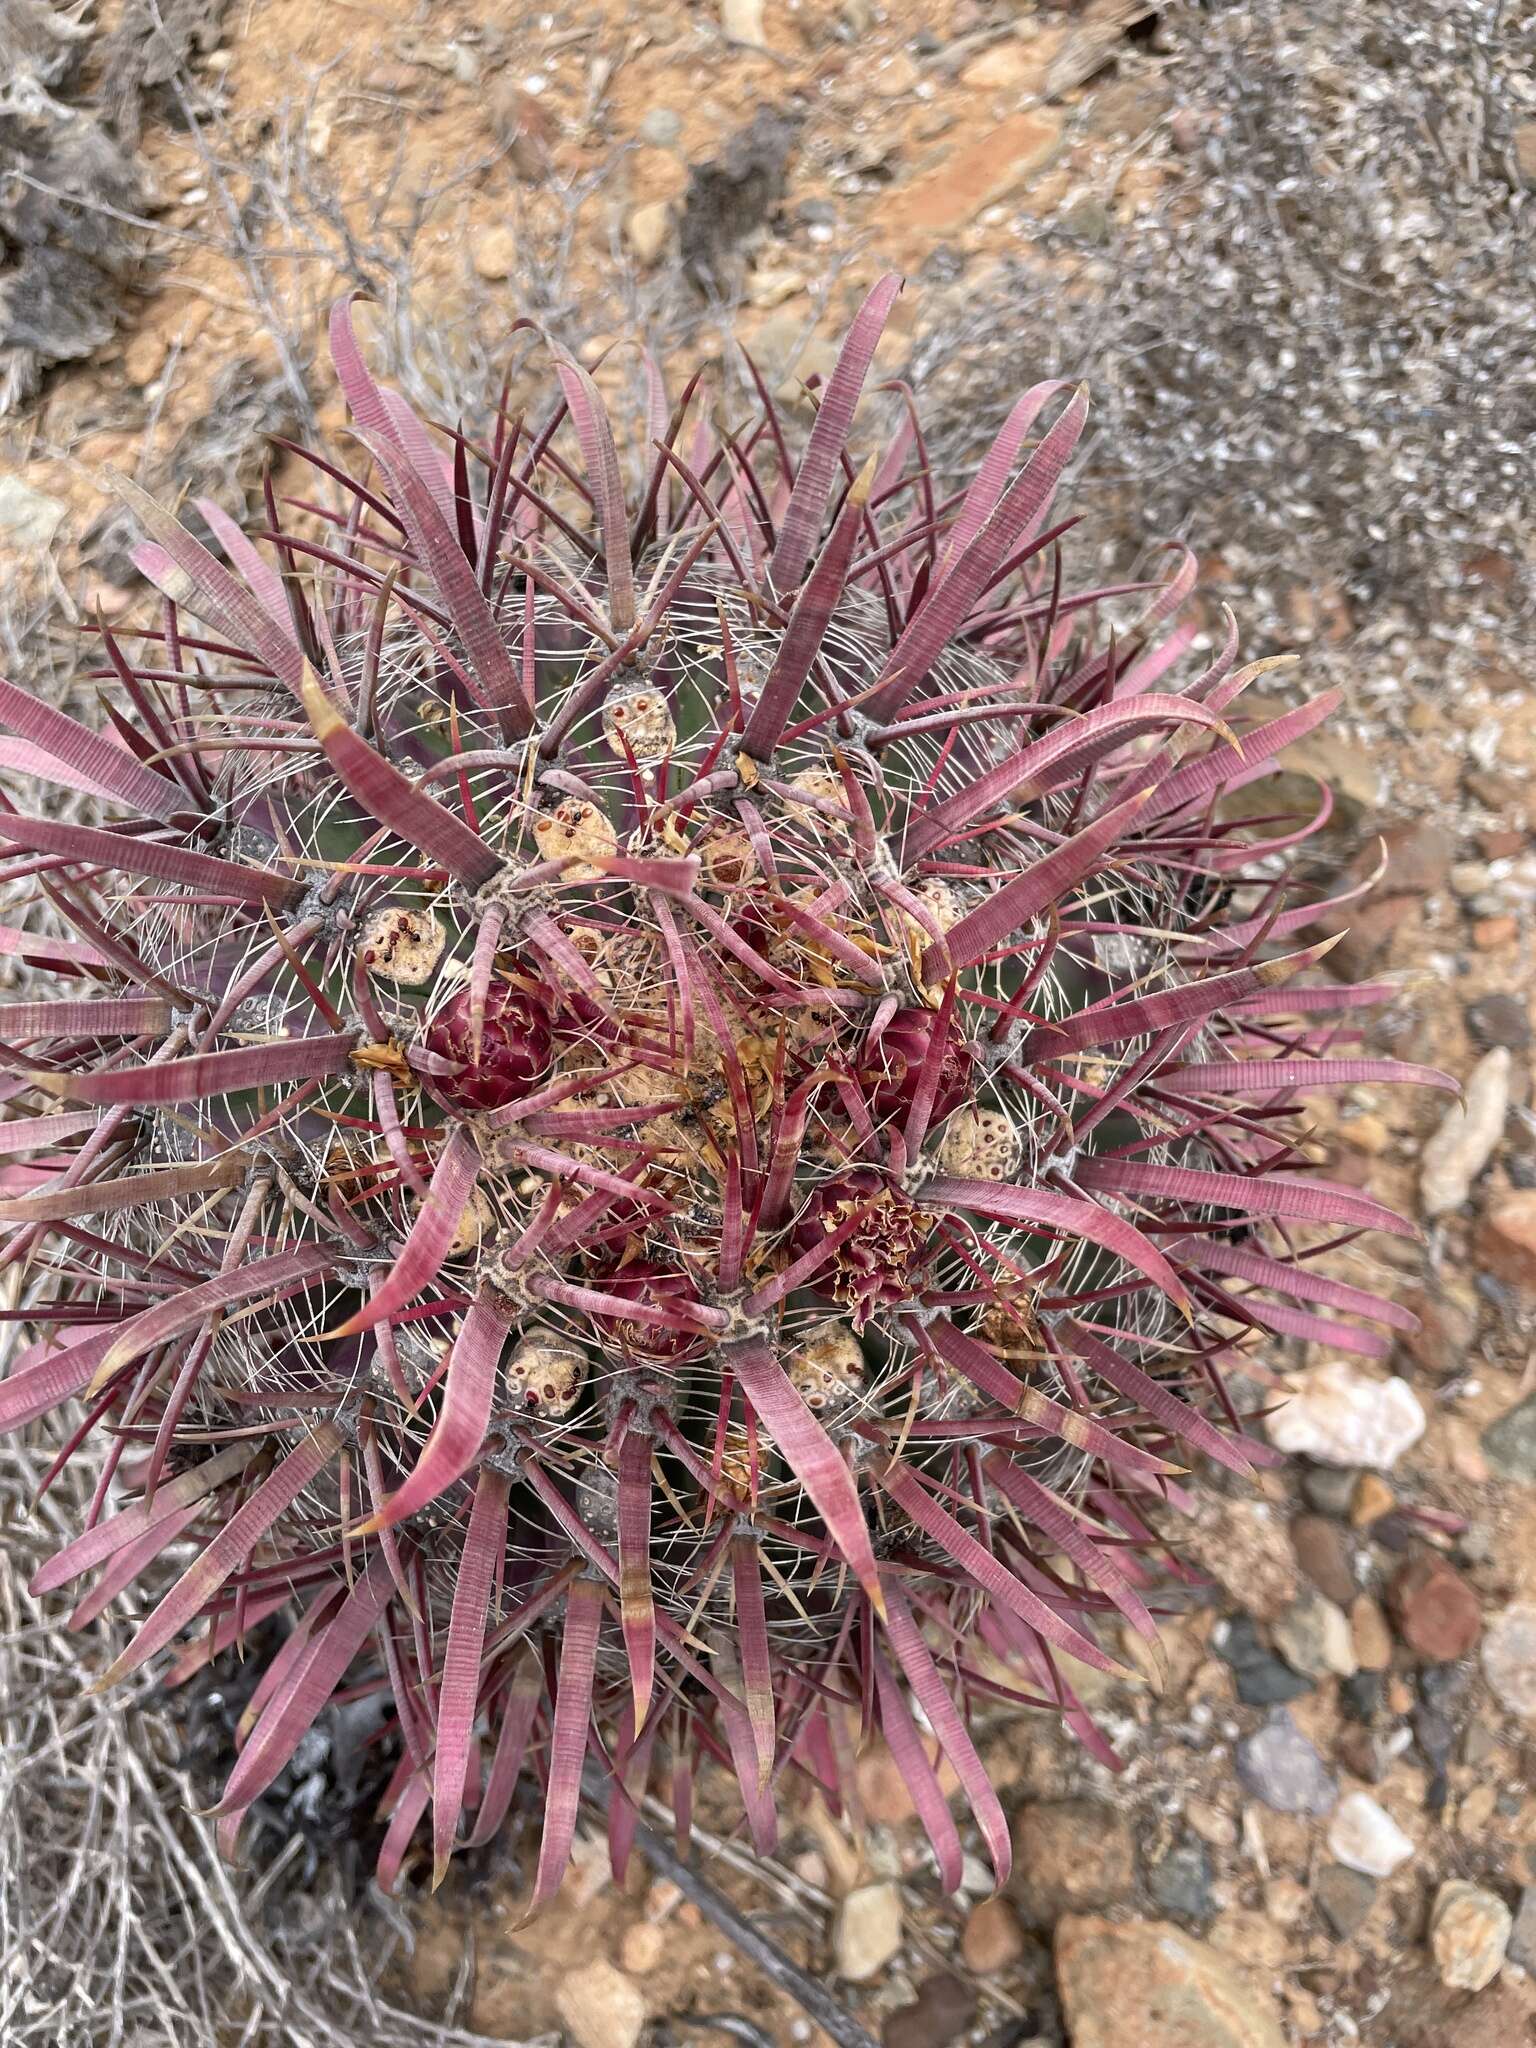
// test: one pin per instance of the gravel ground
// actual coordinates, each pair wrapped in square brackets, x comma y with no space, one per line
[1290,245]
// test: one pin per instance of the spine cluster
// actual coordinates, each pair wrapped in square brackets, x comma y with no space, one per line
[677,1084]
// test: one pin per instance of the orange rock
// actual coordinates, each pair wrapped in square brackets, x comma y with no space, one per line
[975,175]
[1147,1984]
[993,1939]
[883,1790]
[1370,1635]
[1373,1499]
[1502,845]
[1069,1854]
[1436,1611]
[1507,1240]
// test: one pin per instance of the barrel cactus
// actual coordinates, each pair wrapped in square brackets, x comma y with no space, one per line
[675,1084]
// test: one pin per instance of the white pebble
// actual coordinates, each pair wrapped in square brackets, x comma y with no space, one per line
[1364,1836]
[1469,1933]
[868,1931]
[1340,1415]
[1509,1659]
[1468,1135]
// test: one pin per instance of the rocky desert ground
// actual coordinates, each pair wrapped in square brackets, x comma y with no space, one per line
[1288,244]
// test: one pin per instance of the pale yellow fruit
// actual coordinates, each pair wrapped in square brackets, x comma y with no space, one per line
[403,944]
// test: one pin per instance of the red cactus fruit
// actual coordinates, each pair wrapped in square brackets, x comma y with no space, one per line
[891,1071]
[674,1086]
[503,1062]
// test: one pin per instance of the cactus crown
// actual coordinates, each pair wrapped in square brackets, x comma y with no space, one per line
[676,1085]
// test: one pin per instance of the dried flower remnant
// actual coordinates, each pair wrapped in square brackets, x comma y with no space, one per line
[689,1173]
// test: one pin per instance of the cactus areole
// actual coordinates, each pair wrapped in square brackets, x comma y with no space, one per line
[672,1085]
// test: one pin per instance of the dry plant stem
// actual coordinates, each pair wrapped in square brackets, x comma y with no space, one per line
[120,1925]
[834,2019]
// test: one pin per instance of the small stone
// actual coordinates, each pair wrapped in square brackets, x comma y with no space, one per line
[660,127]
[1469,1932]
[1436,1611]
[1087,220]
[1395,1532]
[1500,1020]
[1507,1240]
[1522,1936]
[1280,1767]
[1189,127]
[1369,1634]
[1369,1753]
[1368,1134]
[1344,1898]
[1364,1836]
[1341,1415]
[1148,1984]
[1068,1854]
[1493,934]
[642,1947]
[1313,1637]
[1361,1696]
[1211,1823]
[648,229]
[896,77]
[28,518]
[771,285]
[1510,1443]
[993,1939]
[1467,1137]
[974,175]
[1261,1679]
[883,1792]
[1006,67]
[600,2007]
[1475,1811]
[1478,1543]
[1180,1882]
[495,254]
[525,128]
[1419,857]
[1325,1554]
[943,2010]
[742,21]
[867,1932]
[1502,845]
[1509,1659]
[1373,1499]
[1444,1687]
[1286,1902]
[1329,1488]
[1479,1745]
[1524,143]
[1435,1734]
[1445,1334]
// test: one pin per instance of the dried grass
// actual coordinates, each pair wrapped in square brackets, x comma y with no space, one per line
[119,1925]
